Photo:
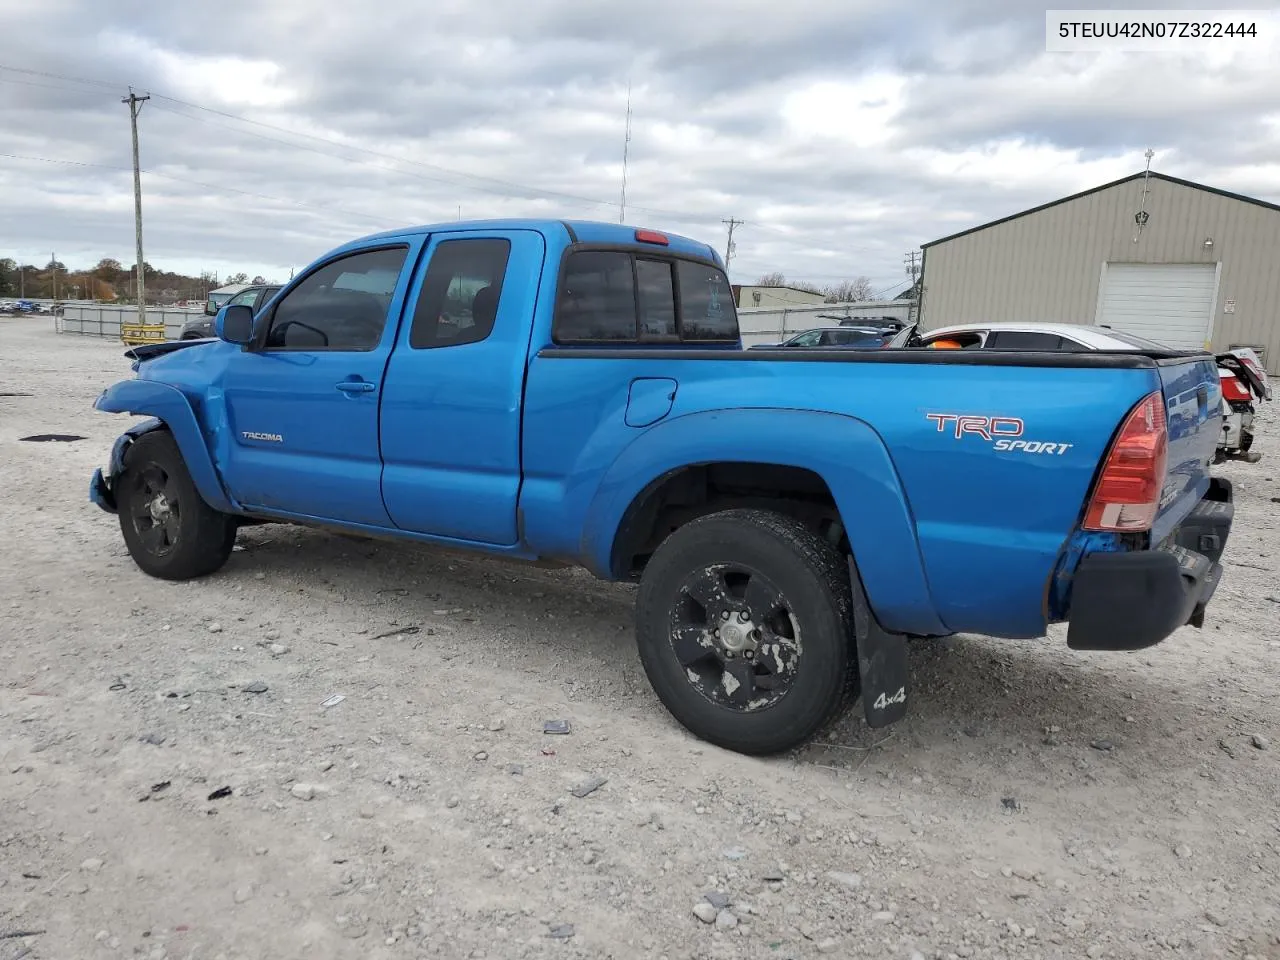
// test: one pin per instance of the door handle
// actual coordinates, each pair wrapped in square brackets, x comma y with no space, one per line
[355,386]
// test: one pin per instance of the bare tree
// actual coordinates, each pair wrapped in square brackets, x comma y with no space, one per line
[774,279]
[849,291]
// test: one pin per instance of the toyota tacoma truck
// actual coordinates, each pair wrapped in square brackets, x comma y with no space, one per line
[577,393]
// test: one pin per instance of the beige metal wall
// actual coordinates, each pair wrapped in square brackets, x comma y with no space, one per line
[1046,266]
[778,297]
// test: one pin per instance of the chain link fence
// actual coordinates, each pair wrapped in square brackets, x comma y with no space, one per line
[103,320]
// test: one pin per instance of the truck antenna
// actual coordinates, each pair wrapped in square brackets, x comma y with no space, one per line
[626,149]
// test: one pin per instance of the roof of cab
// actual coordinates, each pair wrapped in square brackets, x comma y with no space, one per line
[582,231]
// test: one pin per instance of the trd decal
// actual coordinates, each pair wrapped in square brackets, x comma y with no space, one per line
[985,427]
[270,437]
[1000,432]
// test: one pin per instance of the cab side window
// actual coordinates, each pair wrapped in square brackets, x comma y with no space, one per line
[341,306]
[460,293]
[1024,340]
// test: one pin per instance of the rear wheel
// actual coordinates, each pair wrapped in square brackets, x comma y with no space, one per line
[170,531]
[744,627]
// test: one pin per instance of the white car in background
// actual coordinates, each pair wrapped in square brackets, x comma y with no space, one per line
[1240,372]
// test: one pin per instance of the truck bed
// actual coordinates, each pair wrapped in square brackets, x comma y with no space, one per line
[938,521]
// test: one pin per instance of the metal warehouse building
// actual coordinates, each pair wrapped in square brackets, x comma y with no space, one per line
[1150,254]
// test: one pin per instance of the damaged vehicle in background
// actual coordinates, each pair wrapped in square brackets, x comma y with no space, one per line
[1240,371]
[840,338]
[1243,377]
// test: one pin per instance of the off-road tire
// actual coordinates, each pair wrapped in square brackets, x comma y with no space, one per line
[202,537]
[813,577]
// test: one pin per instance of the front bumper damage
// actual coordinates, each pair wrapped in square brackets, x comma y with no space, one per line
[102,485]
[100,492]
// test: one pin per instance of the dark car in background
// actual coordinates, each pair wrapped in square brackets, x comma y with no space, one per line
[198,328]
[890,325]
[843,337]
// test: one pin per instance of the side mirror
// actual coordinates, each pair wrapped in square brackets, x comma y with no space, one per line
[234,324]
[210,308]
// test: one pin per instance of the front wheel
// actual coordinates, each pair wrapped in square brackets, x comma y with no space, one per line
[170,531]
[744,627]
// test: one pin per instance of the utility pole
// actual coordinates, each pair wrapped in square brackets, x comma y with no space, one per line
[728,247]
[913,271]
[626,150]
[135,103]
[53,259]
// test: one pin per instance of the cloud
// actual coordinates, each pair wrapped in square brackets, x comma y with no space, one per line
[844,133]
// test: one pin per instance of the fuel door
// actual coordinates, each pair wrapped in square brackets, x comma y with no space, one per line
[649,400]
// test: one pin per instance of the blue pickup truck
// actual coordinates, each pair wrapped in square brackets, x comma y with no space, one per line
[577,393]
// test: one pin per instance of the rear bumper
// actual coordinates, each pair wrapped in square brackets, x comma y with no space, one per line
[1128,601]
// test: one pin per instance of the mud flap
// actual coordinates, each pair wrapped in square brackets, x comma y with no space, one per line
[882,661]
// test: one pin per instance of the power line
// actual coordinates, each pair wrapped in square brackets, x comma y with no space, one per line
[44,86]
[58,76]
[208,186]
[522,190]
[499,186]
[510,185]
[782,299]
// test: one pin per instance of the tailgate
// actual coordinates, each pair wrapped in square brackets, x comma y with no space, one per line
[1193,405]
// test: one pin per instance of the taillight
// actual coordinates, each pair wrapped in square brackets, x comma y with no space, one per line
[1127,496]
[1257,370]
[1232,388]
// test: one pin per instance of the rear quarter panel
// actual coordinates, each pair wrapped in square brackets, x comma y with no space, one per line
[989,525]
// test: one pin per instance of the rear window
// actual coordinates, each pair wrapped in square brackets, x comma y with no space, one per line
[706,305]
[610,296]
[597,299]
[655,288]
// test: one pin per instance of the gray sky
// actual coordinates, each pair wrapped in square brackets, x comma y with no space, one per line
[844,132]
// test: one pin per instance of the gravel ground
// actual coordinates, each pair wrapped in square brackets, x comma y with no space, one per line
[1037,802]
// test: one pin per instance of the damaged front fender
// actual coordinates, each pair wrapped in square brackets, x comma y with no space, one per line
[168,408]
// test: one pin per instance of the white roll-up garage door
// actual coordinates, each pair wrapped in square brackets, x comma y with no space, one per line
[1170,303]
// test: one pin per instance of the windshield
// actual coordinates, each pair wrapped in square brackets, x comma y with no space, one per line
[901,337]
